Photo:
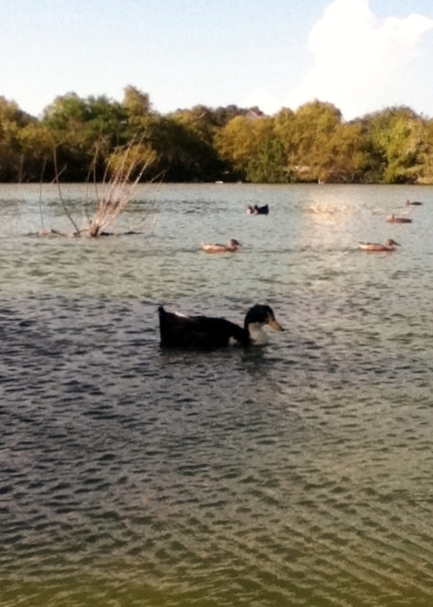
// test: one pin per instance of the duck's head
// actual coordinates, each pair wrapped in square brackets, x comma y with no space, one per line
[257,317]
[392,243]
[234,244]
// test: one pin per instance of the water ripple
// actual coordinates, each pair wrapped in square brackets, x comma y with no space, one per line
[295,474]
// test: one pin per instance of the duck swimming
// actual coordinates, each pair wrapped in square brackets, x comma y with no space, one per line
[256,210]
[393,219]
[375,246]
[232,246]
[209,332]
[416,203]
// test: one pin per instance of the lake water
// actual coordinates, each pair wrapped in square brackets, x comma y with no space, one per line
[295,474]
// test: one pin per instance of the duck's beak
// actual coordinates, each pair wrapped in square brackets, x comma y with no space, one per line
[275,325]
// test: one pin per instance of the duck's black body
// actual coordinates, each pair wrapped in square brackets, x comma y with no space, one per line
[264,210]
[210,332]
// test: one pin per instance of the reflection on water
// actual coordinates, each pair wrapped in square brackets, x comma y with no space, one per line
[295,474]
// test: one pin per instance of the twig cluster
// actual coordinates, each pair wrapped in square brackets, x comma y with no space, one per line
[119,192]
[122,174]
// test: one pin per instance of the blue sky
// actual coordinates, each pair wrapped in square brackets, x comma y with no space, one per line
[361,55]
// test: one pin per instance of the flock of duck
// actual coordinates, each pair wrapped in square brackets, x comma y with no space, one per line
[233,244]
[179,331]
[389,244]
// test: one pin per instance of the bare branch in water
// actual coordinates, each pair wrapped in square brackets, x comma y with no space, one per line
[123,172]
[43,229]
[127,162]
[57,175]
[40,195]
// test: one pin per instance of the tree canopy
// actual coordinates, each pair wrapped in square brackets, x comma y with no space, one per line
[77,135]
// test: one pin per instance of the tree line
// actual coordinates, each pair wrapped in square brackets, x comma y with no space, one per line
[77,139]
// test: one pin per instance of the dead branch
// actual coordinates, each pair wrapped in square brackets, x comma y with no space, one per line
[57,175]
[122,174]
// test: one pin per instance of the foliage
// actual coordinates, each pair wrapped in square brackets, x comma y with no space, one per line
[397,135]
[77,136]
[13,122]
[244,143]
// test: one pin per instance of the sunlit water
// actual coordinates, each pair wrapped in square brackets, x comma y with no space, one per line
[299,473]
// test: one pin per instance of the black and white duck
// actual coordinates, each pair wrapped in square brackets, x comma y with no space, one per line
[177,330]
[256,210]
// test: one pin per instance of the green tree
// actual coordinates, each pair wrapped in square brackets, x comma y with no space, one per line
[396,136]
[245,143]
[425,156]
[345,156]
[315,125]
[136,104]
[285,129]
[309,138]
[12,121]
[82,130]
[36,144]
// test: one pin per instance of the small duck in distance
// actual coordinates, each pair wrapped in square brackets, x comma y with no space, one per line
[256,210]
[394,219]
[180,331]
[232,246]
[389,245]
[414,203]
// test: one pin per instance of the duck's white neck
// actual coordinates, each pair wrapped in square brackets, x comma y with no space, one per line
[257,335]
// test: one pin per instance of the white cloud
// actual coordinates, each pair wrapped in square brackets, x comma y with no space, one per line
[360,64]
[263,100]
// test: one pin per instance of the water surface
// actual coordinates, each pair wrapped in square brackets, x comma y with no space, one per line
[295,474]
